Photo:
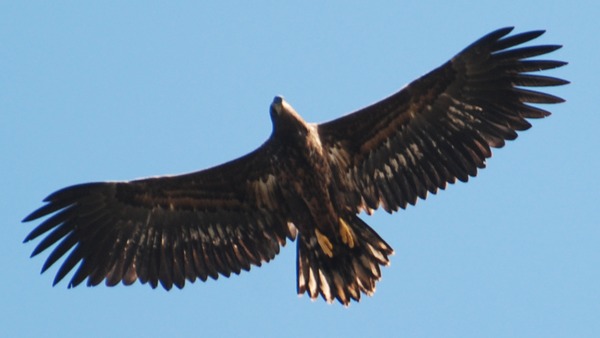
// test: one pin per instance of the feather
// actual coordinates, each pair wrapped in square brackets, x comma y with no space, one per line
[307,181]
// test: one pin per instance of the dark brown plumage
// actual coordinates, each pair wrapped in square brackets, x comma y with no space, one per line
[307,181]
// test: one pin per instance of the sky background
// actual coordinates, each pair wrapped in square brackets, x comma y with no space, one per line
[116,91]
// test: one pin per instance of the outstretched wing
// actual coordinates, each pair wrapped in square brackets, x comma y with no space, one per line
[167,229]
[441,126]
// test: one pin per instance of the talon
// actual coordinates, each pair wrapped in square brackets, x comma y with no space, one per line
[346,233]
[324,243]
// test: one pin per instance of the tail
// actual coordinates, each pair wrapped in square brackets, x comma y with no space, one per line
[350,271]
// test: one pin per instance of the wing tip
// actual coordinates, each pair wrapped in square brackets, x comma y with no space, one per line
[502,31]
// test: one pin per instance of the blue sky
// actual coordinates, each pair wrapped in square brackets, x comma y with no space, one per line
[116,91]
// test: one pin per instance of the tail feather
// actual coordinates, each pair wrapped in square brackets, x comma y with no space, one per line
[349,272]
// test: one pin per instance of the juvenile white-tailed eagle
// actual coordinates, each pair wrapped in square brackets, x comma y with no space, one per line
[307,182]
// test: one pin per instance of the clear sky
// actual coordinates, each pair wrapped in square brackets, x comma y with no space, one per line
[117,91]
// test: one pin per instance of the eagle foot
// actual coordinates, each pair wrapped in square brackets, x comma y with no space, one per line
[347,234]
[324,243]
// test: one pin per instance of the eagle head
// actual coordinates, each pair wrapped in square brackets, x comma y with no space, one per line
[286,122]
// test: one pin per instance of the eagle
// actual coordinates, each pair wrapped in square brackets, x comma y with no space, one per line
[307,183]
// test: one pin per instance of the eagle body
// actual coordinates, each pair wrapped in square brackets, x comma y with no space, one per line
[307,183]
[335,248]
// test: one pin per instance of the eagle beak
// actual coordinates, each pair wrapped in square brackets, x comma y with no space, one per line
[277,105]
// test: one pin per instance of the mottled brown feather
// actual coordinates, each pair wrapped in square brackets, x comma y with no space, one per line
[165,230]
[307,178]
[441,127]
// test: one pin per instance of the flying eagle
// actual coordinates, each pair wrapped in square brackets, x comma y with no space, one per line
[308,182]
